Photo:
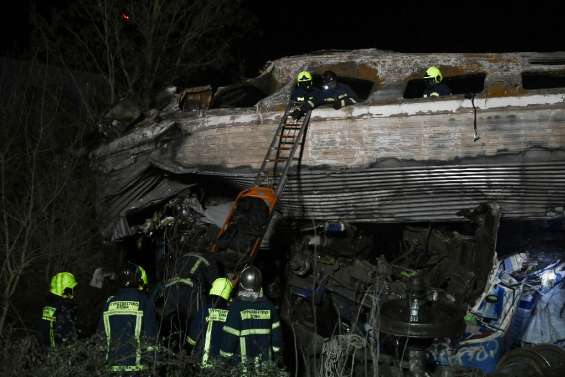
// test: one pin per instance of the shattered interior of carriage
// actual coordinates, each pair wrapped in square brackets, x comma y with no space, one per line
[413,259]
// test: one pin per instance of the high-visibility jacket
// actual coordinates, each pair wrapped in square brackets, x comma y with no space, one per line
[58,322]
[128,325]
[185,291]
[252,331]
[306,99]
[339,96]
[206,330]
[191,271]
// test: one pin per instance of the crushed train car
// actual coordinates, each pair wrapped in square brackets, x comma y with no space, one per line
[393,157]
[441,171]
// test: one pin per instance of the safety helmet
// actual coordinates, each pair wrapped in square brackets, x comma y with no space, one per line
[63,284]
[131,275]
[330,80]
[251,279]
[434,73]
[144,279]
[304,76]
[304,79]
[221,287]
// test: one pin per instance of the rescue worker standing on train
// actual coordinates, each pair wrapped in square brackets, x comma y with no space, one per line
[305,95]
[206,327]
[58,319]
[435,87]
[252,331]
[128,325]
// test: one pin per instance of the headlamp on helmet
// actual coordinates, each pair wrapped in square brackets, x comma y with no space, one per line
[330,80]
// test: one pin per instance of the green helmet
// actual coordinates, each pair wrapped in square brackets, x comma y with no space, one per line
[304,76]
[222,287]
[434,73]
[63,284]
[144,278]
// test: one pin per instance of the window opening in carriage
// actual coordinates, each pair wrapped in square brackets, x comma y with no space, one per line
[543,79]
[460,84]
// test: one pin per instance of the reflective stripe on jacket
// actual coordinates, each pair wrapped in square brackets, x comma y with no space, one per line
[128,324]
[58,322]
[307,99]
[252,331]
[206,331]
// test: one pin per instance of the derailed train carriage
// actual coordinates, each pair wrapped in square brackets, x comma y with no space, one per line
[393,187]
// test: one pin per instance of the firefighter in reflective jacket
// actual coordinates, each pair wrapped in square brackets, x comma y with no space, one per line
[336,93]
[434,85]
[206,327]
[58,320]
[252,332]
[305,95]
[184,293]
[128,324]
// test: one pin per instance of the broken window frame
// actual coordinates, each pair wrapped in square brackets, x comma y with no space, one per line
[448,80]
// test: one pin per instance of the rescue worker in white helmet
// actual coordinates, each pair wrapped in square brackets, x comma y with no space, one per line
[58,319]
[206,327]
[435,87]
[252,332]
[128,325]
[305,95]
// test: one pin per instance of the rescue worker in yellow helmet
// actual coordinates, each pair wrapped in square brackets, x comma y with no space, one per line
[206,327]
[128,325]
[435,87]
[305,96]
[58,319]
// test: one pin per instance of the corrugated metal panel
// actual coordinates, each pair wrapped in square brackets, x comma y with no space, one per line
[408,194]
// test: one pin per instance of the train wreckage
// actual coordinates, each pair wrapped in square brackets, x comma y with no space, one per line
[389,219]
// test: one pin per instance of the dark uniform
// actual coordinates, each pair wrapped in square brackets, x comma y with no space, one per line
[305,100]
[437,90]
[128,324]
[185,292]
[206,331]
[58,322]
[252,332]
[339,96]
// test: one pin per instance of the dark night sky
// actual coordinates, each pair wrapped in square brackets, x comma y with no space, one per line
[294,27]
[426,26]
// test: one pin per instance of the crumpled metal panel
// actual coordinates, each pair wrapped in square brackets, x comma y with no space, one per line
[147,190]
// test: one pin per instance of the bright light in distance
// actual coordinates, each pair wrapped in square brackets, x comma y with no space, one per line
[548,278]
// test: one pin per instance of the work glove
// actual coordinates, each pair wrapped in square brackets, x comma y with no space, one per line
[297,114]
